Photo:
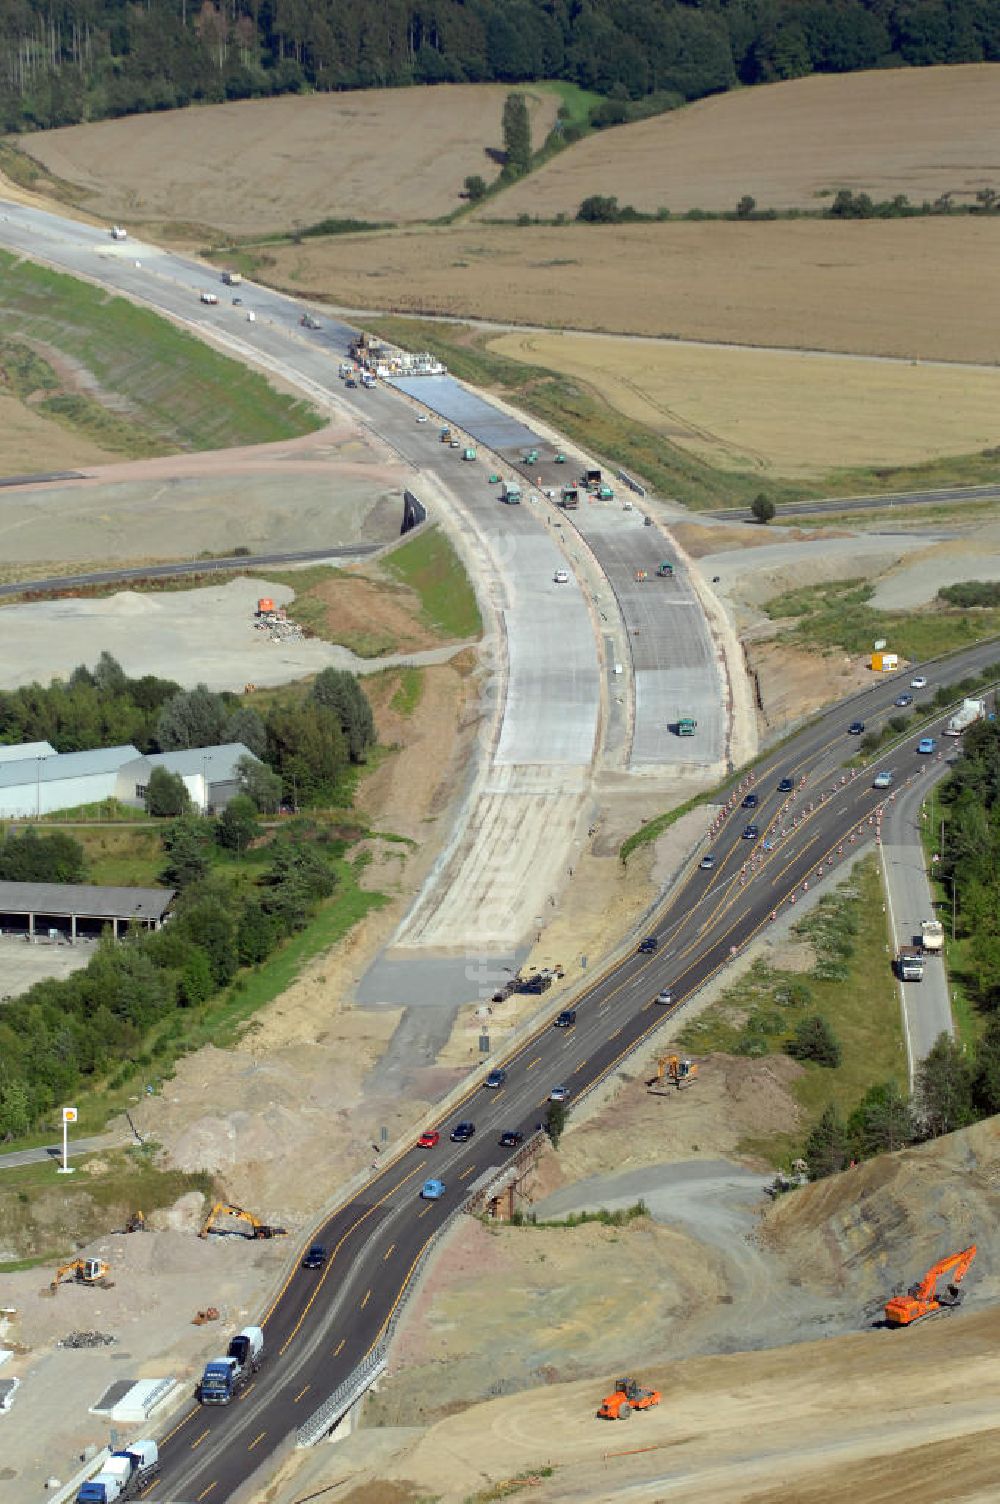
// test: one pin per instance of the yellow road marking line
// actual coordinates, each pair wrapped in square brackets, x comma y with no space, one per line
[256,1440]
[388,1251]
[368,1296]
[299,1395]
[206,1491]
[340,1347]
[201,1438]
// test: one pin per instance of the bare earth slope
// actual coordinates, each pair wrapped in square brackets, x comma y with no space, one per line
[255,165]
[920,131]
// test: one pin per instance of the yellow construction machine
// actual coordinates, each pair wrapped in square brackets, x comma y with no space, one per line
[678,1072]
[246,1224]
[85,1272]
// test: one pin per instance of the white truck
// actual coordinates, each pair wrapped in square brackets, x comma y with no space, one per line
[225,1377]
[232,279]
[124,1475]
[118,233]
[910,964]
[968,712]
[210,297]
[932,935]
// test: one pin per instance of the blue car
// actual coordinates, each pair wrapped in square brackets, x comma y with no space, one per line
[432,1190]
[926,744]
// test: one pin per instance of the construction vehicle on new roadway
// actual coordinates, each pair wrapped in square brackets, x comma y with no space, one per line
[679,1073]
[84,1272]
[248,1226]
[628,1396]
[923,1299]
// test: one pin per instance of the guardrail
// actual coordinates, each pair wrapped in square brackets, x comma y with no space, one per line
[375,1361]
[633,485]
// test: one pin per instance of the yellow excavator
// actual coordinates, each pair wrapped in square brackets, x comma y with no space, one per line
[679,1073]
[85,1272]
[247,1225]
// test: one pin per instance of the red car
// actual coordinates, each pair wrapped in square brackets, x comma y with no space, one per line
[428,1140]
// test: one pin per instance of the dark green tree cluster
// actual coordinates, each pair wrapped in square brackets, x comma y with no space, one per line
[306,746]
[63,1034]
[63,61]
[971,857]
[516,136]
[41,857]
[99,707]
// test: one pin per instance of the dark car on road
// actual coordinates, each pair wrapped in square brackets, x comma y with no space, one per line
[315,1258]
[856,728]
[751,833]
[903,700]
[496,1078]
[510,1139]
[566,1019]
[751,801]
[707,863]
[647,946]
[462,1132]
[786,786]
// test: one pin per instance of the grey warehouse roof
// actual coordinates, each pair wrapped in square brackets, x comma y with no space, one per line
[38,769]
[219,763]
[23,750]
[65,899]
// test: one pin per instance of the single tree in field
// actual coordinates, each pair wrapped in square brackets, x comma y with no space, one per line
[762,508]
[746,207]
[475,187]
[815,1040]
[516,136]
[555,1122]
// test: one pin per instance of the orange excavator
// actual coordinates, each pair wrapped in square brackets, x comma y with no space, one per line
[628,1396]
[923,1299]
[679,1073]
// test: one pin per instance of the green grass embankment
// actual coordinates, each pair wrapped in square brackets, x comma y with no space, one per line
[838,614]
[851,986]
[158,389]
[431,567]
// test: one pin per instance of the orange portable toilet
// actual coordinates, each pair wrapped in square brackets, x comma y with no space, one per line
[264,605]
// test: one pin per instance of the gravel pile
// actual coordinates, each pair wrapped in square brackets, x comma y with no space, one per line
[87,1339]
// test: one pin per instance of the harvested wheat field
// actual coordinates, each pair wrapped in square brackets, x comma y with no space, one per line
[775,412]
[919,131]
[922,288]
[265,165]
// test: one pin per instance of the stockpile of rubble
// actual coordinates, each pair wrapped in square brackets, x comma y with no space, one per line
[87,1339]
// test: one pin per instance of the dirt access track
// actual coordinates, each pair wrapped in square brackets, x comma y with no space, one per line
[372,155]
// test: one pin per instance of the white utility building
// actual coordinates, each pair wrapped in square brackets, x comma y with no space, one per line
[209,774]
[42,783]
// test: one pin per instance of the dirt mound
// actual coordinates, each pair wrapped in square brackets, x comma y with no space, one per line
[882,1224]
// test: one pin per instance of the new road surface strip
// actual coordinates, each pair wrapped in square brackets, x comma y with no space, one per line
[324,1322]
[926,1004]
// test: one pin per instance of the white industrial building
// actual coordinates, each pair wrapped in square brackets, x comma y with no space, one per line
[209,774]
[41,784]
[36,780]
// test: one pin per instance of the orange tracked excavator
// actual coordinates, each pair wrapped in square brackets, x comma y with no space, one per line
[923,1299]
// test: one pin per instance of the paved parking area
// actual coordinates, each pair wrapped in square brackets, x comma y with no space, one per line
[22,965]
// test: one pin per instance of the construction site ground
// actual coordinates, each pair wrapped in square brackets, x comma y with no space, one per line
[514,1317]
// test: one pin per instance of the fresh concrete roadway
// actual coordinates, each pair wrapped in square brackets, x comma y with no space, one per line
[321,1324]
[948,496]
[240,562]
[547,683]
[926,1005]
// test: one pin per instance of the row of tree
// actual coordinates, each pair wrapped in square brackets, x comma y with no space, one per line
[63,1035]
[954,1086]
[63,61]
[306,744]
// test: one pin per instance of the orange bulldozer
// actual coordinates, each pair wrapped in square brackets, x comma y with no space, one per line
[923,1299]
[628,1396]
